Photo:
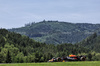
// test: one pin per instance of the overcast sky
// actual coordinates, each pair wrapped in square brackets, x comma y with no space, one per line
[16,13]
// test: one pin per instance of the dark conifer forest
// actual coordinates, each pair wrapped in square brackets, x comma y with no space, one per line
[16,48]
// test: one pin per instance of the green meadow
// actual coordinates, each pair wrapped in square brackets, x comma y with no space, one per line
[85,63]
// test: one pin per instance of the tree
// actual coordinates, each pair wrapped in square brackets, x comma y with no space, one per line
[8,58]
[19,57]
[90,56]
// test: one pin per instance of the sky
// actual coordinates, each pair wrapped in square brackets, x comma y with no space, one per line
[17,13]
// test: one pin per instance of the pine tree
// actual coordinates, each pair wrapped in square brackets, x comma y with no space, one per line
[8,58]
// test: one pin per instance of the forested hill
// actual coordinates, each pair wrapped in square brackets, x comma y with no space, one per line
[54,32]
[15,48]
[92,42]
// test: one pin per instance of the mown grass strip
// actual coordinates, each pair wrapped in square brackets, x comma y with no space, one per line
[85,63]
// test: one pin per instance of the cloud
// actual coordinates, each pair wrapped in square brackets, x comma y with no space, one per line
[16,13]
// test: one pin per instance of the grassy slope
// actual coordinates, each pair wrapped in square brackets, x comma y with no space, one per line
[85,63]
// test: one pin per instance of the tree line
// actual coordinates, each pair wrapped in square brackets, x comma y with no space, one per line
[16,48]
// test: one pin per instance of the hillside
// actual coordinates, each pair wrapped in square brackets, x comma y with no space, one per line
[92,42]
[15,48]
[54,32]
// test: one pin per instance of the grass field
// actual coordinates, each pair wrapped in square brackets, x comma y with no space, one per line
[85,63]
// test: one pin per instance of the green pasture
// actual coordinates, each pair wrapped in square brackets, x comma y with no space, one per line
[85,63]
